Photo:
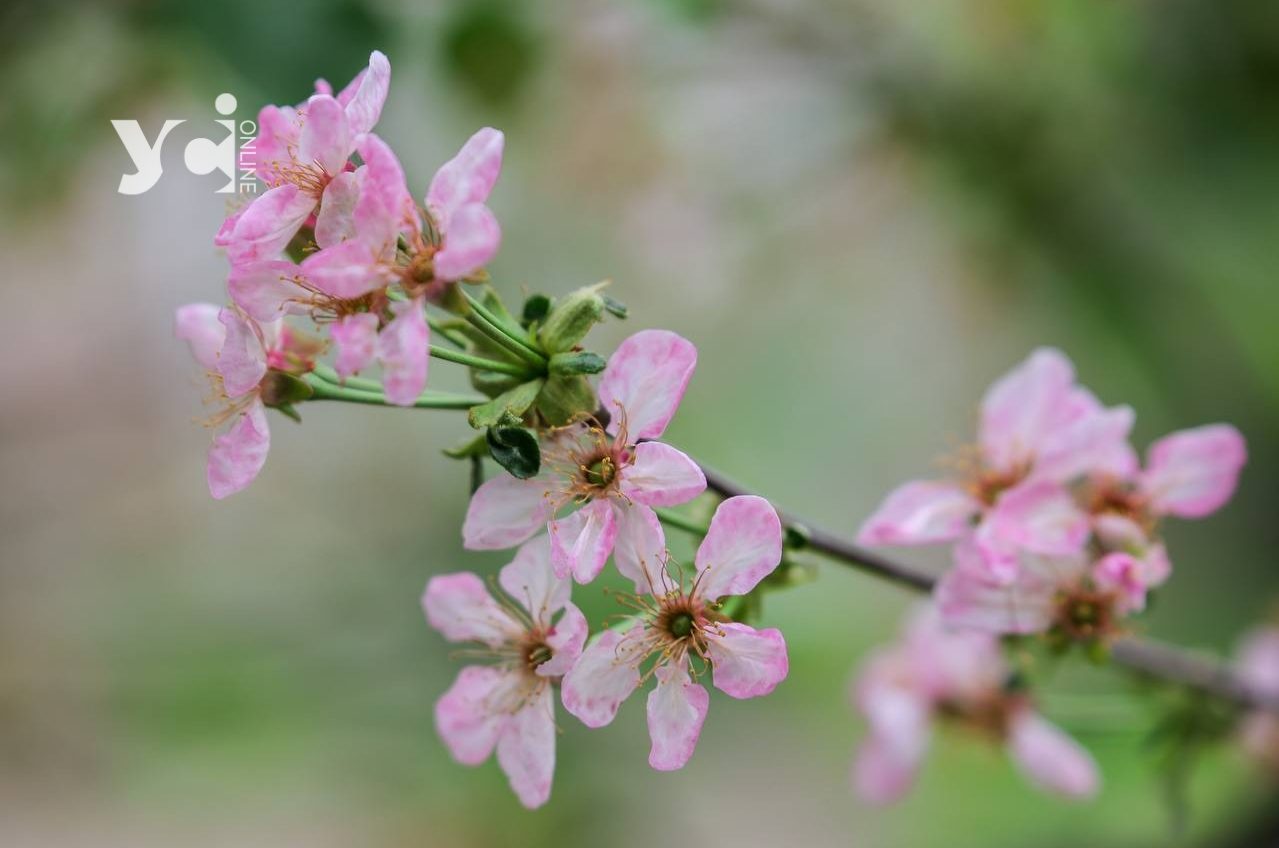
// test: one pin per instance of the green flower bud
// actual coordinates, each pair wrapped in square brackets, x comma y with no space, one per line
[280,390]
[576,362]
[571,319]
[563,398]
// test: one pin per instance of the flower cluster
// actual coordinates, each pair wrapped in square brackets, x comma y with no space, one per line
[677,634]
[337,243]
[344,244]
[1053,521]
[939,675]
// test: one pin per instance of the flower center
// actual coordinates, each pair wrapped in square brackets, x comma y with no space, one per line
[680,625]
[1085,614]
[988,485]
[600,473]
[536,654]
[988,714]
[1112,498]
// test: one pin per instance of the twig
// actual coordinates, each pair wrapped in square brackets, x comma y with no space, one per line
[1150,658]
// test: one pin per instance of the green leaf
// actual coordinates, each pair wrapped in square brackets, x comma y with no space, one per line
[797,537]
[580,362]
[506,408]
[516,450]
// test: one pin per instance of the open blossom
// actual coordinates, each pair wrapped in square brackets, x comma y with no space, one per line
[1039,431]
[303,153]
[939,676]
[1258,666]
[371,237]
[615,475]
[508,705]
[1188,474]
[366,253]
[244,359]
[680,634]
[1079,597]
[1083,595]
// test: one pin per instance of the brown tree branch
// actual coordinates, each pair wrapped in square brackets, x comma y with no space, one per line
[1147,657]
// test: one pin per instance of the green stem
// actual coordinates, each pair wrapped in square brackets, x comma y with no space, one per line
[679,521]
[448,334]
[451,355]
[327,374]
[325,390]
[490,325]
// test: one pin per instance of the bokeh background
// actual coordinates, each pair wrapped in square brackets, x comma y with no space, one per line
[860,211]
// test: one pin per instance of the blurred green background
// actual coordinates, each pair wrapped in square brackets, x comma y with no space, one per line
[860,211]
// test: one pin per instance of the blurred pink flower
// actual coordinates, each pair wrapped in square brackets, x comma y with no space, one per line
[508,706]
[1039,431]
[934,675]
[682,632]
[240,355]
[1188,474]
[1077,596]
[301,153]
[1257,663]
[614,476]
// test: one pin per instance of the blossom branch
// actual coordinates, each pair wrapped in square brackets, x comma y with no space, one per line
[1147,657]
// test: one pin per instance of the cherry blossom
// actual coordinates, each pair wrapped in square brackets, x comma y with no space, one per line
[246,362]
[1258,663]
[1039,431]
[1079,597]
[680,629]
[1188,474]
[534,634]
[303,154]
[935,675]
[614,474]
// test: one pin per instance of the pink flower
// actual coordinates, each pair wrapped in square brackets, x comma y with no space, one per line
[1189,474]
[1039,431]
[347,283]
[959,677]
[1075,597]
[508,706]
[362,221]
[470,233]
[241,356]
[302,154]
[680,630]
[1258,665]
[610,473]
[360,232]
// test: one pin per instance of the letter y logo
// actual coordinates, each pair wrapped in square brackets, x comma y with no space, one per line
[145,156]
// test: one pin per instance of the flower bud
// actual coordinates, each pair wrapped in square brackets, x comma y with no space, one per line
[565,397]
[280,389]
[571,319]
[576,362]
